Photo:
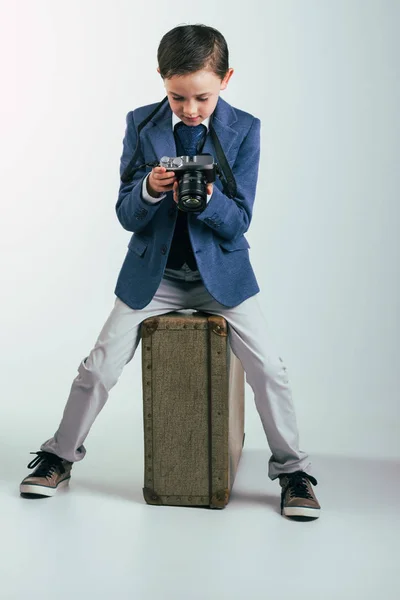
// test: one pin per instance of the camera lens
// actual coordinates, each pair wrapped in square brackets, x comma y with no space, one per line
[192,191]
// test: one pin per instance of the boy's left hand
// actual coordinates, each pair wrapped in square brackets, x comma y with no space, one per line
[175,190]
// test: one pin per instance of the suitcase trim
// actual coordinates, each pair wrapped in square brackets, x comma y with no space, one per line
[218,444]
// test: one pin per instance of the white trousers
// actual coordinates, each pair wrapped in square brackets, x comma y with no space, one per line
[250,340]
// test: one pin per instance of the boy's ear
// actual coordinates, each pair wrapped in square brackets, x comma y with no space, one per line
[227,77]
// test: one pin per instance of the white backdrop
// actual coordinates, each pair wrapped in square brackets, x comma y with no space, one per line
[321,76]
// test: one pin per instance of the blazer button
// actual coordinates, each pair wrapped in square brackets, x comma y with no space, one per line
[163,249]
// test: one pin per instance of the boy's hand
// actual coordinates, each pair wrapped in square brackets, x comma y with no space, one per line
[175,189]
[160,181]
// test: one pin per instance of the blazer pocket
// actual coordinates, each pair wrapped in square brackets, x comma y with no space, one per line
[237,244]
[138,245]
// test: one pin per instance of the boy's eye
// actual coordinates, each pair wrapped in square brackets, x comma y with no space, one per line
[201,99]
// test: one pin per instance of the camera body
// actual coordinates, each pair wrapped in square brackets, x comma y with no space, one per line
[193,174]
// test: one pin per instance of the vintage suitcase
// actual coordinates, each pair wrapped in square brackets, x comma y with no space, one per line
[193,410]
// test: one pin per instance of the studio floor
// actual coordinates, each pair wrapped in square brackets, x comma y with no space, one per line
[99,539]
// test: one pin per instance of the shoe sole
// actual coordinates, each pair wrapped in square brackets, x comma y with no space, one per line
[300,511]
[42,490]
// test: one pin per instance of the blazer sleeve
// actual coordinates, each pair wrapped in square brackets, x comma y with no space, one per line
[230,218]
[133,211]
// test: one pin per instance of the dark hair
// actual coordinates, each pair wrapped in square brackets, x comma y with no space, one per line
[190,48]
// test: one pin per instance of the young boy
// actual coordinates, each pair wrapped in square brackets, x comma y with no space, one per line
[186,260]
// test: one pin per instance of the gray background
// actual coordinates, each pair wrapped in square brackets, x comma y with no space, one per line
[323,78]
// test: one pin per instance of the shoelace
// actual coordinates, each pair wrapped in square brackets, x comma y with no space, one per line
[47,464]
[297,485]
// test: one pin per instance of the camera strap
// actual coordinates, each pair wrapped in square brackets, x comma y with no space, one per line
[224,170]
[130,170]
[228,182]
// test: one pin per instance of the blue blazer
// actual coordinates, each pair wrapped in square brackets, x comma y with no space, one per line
[216,234]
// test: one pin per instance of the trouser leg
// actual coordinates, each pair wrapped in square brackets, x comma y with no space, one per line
[100,370]
[266,373]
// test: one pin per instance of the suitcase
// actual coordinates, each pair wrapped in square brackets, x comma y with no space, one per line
[193,410]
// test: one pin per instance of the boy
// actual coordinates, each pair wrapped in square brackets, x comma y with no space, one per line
[178,260]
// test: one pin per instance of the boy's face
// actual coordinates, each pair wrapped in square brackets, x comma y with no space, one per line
[195,95]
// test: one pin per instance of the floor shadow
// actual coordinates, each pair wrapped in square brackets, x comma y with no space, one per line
[258,498]
[132,493]
[33,496]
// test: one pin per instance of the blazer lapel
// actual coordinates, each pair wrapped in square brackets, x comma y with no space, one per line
[223,118]
[161,137]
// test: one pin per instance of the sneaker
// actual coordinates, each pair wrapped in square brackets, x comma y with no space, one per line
[51,474]
[297,496]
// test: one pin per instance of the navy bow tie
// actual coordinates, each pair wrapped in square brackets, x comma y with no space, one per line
[190,136]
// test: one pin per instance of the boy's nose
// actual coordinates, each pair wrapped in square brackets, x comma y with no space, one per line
[190,111]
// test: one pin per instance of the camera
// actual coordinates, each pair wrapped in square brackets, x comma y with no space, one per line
[193,173]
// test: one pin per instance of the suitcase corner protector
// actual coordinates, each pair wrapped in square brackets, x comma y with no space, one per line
[149,326]
[220,499]
[150,496]
[218,325]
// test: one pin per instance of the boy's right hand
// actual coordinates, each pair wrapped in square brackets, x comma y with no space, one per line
[160,181]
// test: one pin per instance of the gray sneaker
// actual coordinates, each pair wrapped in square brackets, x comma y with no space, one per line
[297,495]
[51,474]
